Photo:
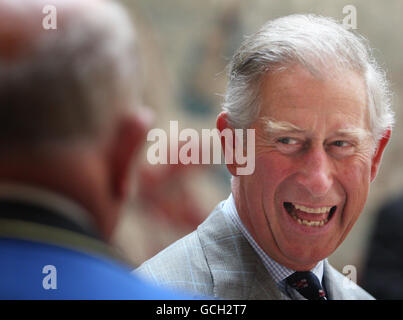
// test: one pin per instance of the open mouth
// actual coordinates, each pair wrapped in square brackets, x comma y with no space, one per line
[311,217]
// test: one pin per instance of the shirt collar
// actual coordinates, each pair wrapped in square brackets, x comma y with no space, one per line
[48,199]
[278,272]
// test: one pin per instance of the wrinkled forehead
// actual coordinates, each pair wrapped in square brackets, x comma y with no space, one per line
[297,93]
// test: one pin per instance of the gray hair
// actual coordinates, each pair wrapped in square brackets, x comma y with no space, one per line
[70,83]
[315,42]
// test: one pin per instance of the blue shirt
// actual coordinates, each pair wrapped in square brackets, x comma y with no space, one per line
[39,260]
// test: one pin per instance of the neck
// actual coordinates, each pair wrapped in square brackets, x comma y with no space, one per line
[77,176]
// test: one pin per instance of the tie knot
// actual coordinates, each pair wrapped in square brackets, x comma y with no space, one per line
[307,284]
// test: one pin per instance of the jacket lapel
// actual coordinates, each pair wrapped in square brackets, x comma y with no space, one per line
[331,281]
[264,287]
[236,269]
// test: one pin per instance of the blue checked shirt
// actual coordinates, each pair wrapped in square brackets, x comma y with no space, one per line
[278,272]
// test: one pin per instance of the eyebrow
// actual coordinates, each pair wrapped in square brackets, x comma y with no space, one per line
[272,126]
[358,133]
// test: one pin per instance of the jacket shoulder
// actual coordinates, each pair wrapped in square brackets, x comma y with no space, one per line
[342,288]
[215,260]
[182,266]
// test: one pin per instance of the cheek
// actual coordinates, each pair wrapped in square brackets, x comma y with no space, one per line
[357,173]
[261,186]
[356,180]
[264,187]
[273,167]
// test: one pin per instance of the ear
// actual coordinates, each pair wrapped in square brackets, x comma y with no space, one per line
[377,157]
[125,146]
[222,124]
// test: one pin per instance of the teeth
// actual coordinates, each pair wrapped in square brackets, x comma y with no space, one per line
[310,223]
[312,210]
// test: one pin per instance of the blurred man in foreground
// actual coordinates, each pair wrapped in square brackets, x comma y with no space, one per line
[67,141]
[319,106]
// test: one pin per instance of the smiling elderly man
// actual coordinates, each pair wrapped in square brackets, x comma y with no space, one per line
[320,108]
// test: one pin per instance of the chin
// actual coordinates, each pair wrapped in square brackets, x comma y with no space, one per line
[306,257]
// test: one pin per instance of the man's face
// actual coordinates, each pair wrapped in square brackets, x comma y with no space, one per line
[313,165]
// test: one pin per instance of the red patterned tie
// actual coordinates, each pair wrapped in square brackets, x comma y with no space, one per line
[307,284]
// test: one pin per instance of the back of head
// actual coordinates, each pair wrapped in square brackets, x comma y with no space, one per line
[321,45]
[63,85]
[66,98]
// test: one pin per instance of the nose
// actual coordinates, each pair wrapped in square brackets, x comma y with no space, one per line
[315,174]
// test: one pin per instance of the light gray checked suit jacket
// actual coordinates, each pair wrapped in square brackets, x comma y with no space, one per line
[217,261]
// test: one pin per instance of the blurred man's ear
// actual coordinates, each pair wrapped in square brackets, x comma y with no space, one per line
[377,157]
[222,124]
[126,145]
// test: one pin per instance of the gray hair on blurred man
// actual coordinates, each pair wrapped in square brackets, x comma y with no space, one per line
[68,137]
[320,108]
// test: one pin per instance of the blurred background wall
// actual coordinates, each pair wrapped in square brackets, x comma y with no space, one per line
[186,46]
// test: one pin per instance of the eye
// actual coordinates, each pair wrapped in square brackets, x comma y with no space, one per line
[287,140]
[288,145]
[341,148]
[341,143]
